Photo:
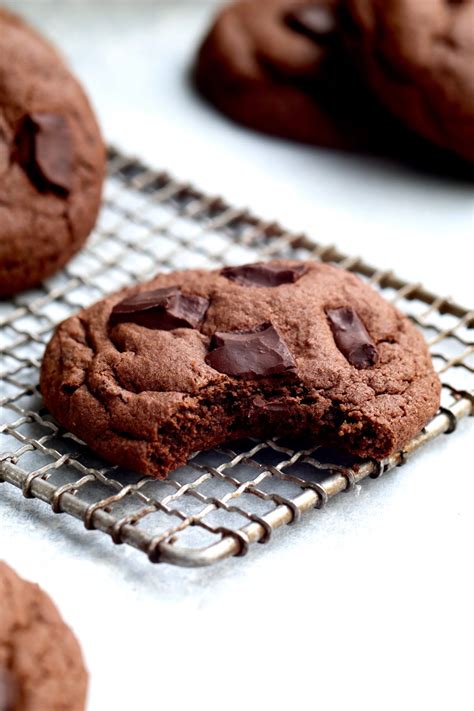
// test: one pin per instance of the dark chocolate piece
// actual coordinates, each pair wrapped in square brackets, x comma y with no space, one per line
[8,690]
[352,338]
[252,354]
[316,21]
[275,404]
[261,274]
[44,149]
[163,309]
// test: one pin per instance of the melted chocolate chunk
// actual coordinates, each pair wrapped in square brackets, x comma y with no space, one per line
[275,404]
[316,21]
[163,309]
[8,690]
[352,338]
[259,353]
[43,147]
[261,274]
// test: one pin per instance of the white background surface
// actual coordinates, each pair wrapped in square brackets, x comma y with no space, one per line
[367,605]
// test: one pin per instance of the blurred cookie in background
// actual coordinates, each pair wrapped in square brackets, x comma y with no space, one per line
[41,665]
[277,66]
[417,56]
[52,159]
[292,69]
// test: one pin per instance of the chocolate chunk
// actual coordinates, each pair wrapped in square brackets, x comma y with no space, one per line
[352,338]
[251,354]
[275,404]
[316,21]
[43,147]
[163,309]
[261,274]
[8,690]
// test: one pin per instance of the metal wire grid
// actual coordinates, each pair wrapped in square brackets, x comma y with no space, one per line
[226,499]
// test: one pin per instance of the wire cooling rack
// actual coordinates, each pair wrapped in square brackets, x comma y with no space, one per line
[228,498]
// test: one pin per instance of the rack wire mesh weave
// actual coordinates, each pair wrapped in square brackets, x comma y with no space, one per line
[226,499]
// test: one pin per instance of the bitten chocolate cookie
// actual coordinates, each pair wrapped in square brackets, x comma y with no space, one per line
[418,58]
[277,66]
[52,159]
[41,666]
[193,359]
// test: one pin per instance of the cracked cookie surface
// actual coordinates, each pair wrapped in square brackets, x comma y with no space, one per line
[151,374]
[52,159]
[41,665]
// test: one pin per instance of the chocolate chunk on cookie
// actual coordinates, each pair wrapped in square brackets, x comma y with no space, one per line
[261,274]
[316,20]
[164,309]
[41,665]
[44,148]
[418,58]
[52,159]
[258,353]
[351,337]
[313,352]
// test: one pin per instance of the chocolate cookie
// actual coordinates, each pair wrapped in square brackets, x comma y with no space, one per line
[41,665]
[277,66]
[192,359]
[52,159]
[418,58]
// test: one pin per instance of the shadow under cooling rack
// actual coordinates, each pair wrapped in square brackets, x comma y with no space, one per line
[226,499]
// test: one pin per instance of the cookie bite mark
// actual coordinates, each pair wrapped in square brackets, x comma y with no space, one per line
[252,354]
[8,690]
[264,275]
[44,149]
[352,337]
[163,309]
